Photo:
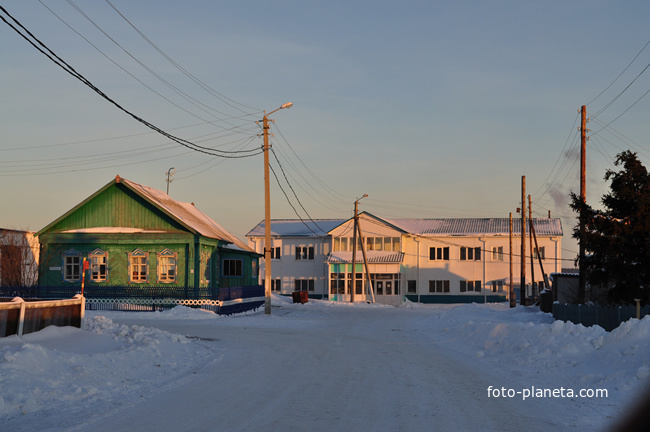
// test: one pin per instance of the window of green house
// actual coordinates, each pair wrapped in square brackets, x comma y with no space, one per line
[167,266]
[232,267]
[98,265]
[206,268]
[138,266]
[72,266]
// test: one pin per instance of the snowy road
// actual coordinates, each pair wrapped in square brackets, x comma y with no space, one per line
[320,367]
[359,371]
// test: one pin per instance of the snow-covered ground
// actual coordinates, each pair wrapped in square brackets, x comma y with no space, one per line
[323,366]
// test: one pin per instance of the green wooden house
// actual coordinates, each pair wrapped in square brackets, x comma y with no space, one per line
[130,235]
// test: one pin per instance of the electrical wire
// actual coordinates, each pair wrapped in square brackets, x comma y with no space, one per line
[619,75]
[203,107]
[36,43]
[290,203]
[294,192]
[204,86]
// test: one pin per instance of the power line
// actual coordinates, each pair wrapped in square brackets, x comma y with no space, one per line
[70,70]
[203,107]
[607,105]
[206,87]
[619,75]
[294,192]
[290,203]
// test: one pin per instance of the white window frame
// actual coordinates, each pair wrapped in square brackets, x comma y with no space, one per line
[468,253]
[497,253]
[98,265]
[72,266]
[305,253]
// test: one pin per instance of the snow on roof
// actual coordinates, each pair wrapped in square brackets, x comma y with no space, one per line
[186,213]
[374,257]
[111,230]
[297,228]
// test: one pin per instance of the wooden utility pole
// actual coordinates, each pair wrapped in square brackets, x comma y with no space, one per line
[354,247]
[522,282]
[365,263]
[539,257]
[583,198]
[354,251]
[267,211]
[532,260]
[267,219]
[511,292]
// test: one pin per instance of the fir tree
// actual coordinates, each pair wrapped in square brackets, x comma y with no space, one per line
[617,238]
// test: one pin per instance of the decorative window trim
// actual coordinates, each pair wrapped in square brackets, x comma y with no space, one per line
[167,271]
[98,270]
[138,254]
[206,267]
[71,270]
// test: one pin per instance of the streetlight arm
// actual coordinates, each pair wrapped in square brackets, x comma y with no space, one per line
[284,106]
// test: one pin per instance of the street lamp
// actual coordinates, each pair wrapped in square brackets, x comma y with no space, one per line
[267,211]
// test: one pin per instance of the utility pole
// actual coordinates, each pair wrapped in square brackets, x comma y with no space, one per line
[522,282]
[365,263]
[583,198]
[267,211]
[530,235]
[354,248]
[511,292]
[539,257]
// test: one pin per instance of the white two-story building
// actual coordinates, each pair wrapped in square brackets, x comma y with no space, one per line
[422,260]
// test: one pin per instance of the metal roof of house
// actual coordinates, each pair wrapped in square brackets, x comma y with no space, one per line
[374,257]
[297,228]
[423,227]
[186,214]
[475,226]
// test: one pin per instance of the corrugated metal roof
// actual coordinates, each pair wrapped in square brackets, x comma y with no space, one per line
[424,227]
[297,228]
[374,257]
[476,226]
[186,213]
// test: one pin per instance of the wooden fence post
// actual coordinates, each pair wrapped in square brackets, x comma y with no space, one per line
[21,316]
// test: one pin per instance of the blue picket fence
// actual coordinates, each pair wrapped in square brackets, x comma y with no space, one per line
[607,317]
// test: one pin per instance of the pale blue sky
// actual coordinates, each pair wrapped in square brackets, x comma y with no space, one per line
[434,109]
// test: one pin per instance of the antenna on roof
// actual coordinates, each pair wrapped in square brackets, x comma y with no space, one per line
[169,175]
